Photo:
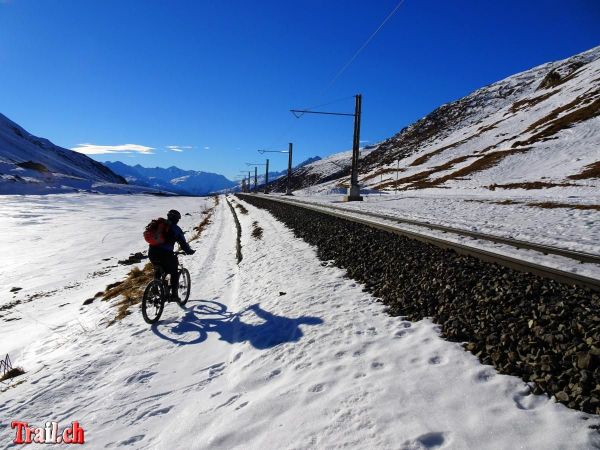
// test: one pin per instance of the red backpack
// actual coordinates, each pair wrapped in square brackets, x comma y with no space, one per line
[156,231]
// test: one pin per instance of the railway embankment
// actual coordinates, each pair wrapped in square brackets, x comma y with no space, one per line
[542,330]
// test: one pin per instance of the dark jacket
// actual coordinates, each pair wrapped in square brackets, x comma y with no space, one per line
[175,234]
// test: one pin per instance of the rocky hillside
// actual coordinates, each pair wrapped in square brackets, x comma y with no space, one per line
[30,164]
[537,129]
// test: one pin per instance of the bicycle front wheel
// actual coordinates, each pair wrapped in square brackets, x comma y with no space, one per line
[153,301]
[185,284]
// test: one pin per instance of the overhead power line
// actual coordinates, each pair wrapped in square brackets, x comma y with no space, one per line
[362,47]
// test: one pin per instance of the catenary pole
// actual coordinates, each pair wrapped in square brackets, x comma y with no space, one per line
[289,174]
[267,178]
[354,191]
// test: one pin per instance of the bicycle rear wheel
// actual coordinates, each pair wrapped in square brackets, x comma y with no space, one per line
[153,301]
[185,284]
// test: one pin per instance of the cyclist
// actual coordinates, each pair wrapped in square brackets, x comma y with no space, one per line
[163,255]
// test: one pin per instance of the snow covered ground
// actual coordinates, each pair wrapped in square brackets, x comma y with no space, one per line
[280,351]
[494,213]
[64,248]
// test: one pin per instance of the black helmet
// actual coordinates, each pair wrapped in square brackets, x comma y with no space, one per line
[174,215]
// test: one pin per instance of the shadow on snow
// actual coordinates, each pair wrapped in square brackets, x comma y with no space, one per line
[213,317]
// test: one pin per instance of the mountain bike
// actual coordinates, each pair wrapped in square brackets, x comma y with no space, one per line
[158,292]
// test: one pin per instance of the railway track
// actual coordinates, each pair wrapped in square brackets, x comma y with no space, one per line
[394,225]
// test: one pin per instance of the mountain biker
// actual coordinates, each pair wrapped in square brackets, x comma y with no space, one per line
[163,255]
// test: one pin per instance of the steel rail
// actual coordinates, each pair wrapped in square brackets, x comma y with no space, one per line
[545,249]
[465,249]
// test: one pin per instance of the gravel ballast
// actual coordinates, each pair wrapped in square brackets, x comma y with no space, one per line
[543,331]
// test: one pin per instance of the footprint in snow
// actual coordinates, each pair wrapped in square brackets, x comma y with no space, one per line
[528,401]
[273,374]
[132,440]
[317,387]
[376,365]
[484,375]
[230,401]
[160,412]
[142,376]
[153,411]
[436,360]
[402,333]
[432,440]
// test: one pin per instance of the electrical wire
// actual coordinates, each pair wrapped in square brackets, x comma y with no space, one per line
[300,114]
[362,47]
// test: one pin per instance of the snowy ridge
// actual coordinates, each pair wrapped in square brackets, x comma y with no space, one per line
[30,164]
[539,126]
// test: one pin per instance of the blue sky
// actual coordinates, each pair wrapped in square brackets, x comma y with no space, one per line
[215,79]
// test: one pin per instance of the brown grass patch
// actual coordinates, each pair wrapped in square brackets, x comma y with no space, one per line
[485,162]
[546,205]
[257,231]
[12,373]
[206,221]
[506,202]
[420,181]
[575,115]
[529,102]
[381,172]
[528,185]
[201,226]
[494,202]
[554,205]
[131,289]
[589,171]
[242,209]
[428,156]
[567,121]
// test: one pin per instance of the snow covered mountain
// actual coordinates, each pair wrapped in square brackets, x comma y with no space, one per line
[173,178]
[538,129]
[30,164]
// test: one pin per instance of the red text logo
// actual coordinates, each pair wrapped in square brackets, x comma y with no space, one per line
[49,434]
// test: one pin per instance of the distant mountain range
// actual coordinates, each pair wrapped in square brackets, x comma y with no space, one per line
[34,165]
[171,179]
